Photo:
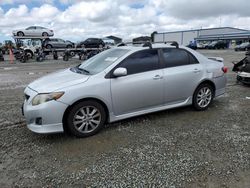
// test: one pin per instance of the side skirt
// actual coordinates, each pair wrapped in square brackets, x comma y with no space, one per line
[114,118]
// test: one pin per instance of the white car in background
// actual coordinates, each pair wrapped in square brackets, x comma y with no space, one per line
[33,31]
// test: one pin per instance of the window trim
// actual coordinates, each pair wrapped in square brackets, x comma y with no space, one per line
[110,73]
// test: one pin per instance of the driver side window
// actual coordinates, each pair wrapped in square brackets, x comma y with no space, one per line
[142,61]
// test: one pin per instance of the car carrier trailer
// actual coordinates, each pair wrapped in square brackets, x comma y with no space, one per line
[25,53]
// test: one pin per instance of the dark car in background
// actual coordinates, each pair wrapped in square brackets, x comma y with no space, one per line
[243,47]
[217,45]
[91,43]
[57,43]
[192,45]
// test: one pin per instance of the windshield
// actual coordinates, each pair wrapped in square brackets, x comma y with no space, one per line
[102,60]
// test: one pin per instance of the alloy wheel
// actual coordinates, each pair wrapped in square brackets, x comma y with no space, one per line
[204,97]
[87,119]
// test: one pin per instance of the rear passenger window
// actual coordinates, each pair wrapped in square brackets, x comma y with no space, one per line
[192,59]
[142,61]
[177,57]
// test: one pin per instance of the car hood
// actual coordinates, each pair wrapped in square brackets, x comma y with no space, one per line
[57,81]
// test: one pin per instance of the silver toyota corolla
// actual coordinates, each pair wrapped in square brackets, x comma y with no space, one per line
[120,83]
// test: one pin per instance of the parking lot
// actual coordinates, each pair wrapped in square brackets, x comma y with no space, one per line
[174,148]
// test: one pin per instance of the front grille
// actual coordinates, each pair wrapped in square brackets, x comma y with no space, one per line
[26,96]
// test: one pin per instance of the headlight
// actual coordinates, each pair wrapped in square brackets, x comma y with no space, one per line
[45,97]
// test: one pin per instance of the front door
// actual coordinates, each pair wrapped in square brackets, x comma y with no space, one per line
[142,88]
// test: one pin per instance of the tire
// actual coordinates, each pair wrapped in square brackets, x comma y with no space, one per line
[72,53]
[20,34]
[45,34]
[49,46]
[68,46]
[201,100]
[29,54]
[86,118]
[65,58]
[55,56]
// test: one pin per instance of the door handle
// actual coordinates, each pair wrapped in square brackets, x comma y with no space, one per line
[157,77]
[196,70]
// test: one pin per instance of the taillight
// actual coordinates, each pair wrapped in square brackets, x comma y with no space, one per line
[224,69]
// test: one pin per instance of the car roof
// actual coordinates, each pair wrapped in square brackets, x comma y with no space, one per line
[201,58]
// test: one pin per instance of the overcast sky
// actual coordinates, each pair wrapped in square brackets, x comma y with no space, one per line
[80,19]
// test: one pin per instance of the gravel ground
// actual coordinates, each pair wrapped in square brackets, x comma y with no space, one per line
[174,148]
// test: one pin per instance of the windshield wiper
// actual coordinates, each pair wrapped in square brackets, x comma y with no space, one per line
[83,70]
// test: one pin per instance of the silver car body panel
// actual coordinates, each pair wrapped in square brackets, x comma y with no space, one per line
[50,112]
[124,97]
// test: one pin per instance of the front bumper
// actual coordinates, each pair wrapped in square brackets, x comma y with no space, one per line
[44,118]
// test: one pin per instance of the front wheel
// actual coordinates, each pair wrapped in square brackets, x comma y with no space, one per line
[86,118]
[20,34]
[203,97]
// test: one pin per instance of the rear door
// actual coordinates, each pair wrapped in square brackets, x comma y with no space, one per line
[142,88]
[61,43]
[39,31]
[30,31]
[182,73]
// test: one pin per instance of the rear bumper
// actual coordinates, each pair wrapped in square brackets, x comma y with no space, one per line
[220,85]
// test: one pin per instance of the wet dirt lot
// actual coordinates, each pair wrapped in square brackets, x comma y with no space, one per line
[174,148]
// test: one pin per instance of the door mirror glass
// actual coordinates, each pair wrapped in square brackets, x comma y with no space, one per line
[120,72]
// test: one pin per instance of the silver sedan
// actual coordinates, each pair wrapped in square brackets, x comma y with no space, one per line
[120,83]
[33,31]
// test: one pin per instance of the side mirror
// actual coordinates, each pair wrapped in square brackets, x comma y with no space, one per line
[120,72]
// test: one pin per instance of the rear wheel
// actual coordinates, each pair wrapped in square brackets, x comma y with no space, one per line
[86,118]
[203,97]
[45,34]
[20,34]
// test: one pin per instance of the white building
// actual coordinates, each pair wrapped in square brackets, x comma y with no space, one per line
[200,35]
